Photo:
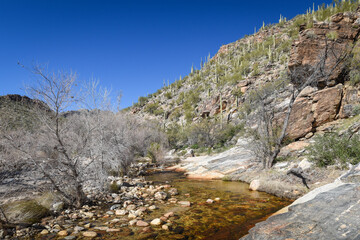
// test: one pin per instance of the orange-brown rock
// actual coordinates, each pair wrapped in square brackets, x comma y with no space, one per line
[314,110]
[326,104]
[312,43]
[301,119]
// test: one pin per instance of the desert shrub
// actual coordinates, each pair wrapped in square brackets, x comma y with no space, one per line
[113,187]
[331,149]
[154,108]
[332,35]
[225,134]
[356,109]
[168,95]
[142,101]
[237,92]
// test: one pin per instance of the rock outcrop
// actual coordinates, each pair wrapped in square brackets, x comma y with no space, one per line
[314,110]
[330,215]
[334,38]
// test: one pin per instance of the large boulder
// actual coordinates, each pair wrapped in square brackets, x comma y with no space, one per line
[326,104]
[301,119]
[314,110]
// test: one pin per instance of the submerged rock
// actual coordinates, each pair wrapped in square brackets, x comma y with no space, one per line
[185,203]
[156,222]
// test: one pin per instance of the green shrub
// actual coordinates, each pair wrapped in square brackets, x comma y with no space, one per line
[142,101]
[168,95]
[356,109]
[332,35]
[154,108]
[113,187]
[331,149]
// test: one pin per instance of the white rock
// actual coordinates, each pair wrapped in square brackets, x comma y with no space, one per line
[121,212]
[209,201]
[305,164]
[156,222]
[160,195]
[153,207]
[254,185]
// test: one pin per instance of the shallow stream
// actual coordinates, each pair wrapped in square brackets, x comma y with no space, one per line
[227,219]
[230,218]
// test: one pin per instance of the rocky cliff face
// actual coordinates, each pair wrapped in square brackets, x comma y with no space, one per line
[325,103]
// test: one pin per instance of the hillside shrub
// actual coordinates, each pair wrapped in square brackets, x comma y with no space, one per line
[331,149]
[168,95]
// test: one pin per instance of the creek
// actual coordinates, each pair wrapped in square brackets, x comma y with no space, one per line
[230,218]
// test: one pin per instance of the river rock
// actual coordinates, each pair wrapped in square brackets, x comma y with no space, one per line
[254,184]
[156,222]
[121,212]
[115,206]
[133,222]
[209,201]
[110,213]
[88,214]
[165,227]
[152,207]
[44,232]
[88,225]
[131,207]
[113,230]
[173,191]
[70,237]
[78,229]
[169,214]
[63,233]
[89,234]
[185,203]
[142,223]
[160,195]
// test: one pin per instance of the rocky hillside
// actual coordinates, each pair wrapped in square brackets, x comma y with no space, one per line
[16,111]
[225,82]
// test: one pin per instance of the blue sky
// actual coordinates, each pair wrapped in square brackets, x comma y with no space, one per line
[130,46]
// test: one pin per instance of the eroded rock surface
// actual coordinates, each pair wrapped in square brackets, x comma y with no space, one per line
[330,215]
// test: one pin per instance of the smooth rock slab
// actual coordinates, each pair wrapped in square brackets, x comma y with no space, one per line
[323,217]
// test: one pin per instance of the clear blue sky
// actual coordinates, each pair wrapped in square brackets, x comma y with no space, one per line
[128,45]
